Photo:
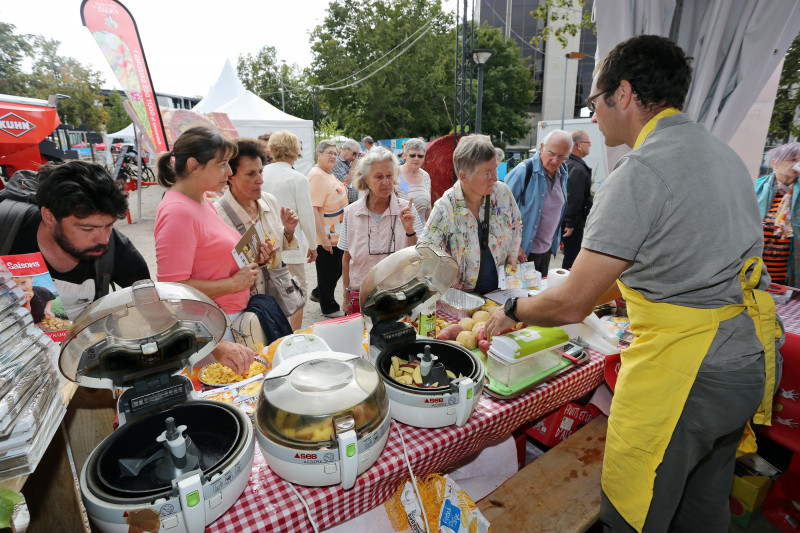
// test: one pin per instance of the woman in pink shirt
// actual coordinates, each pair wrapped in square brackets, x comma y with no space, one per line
[193,244]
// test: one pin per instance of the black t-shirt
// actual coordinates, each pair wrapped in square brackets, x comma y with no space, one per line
[39,302]
[77,287]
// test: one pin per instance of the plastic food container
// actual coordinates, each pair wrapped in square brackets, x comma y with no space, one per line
[518,355]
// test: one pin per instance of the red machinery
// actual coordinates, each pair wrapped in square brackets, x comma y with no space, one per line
[25,124]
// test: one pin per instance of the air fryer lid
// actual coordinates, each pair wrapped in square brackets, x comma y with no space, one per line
[404,280]
[141,330]
[127,465]
[301,397]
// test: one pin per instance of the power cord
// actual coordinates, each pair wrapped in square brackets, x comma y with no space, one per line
[308,511]
[411,473]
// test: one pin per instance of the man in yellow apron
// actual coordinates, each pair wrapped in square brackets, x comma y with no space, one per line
[676,229]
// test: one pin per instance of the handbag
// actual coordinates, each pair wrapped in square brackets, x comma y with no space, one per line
[279,282]
[281,285]
[261,323]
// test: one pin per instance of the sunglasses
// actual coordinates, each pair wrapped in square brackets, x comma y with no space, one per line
[417,156]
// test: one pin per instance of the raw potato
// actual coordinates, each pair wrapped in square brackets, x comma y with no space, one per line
[466,323]
[478,326]
[481,316]
[450,333]
[468,339]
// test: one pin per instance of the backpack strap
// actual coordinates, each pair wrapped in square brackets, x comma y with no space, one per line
[232,215]
[528,174]
[12,214]
[104,269]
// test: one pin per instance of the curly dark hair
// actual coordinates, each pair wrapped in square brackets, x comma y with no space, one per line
[658,70]
[247,148]
[80,189]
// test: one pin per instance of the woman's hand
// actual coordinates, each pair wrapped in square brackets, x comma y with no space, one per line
[234,356]
[326,245]
[267,251]
[289,219]
[407,216]
[244,278]
[512,262]
[311,256]
[521,256]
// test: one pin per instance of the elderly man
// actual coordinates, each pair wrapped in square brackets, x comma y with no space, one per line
[579,197]
[540,189]
[345,169]
[368,143]
[697,369]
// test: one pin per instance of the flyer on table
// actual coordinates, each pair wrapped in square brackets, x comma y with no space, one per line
[30,274]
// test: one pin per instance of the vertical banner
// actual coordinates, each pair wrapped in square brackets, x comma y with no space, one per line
[114,29]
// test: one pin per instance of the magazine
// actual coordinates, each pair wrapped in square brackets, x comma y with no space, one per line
[247,249]
[30,273]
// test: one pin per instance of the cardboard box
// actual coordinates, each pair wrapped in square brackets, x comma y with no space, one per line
[747,495]
[532,451]
[560,424]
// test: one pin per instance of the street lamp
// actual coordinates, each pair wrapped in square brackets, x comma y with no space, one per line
[571,55]
[283,103]
[480,57]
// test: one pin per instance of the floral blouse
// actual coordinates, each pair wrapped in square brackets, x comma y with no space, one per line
[454,228]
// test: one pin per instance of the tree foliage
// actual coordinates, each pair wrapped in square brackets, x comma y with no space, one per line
[787,100]
[557,16]
[51,74]
[508,87]
[410,95]
[117,116]
[261,73]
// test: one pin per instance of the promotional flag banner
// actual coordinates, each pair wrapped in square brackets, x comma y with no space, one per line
[114,29]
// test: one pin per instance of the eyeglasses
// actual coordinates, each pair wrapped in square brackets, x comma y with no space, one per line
[584,142]
[330,154]
[591,102]
[390,249]
[416,156]
[557,156]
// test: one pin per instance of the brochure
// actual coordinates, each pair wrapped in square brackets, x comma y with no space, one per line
[246,250]
[525,277]
[30,274]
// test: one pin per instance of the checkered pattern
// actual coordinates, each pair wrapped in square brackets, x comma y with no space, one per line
[268,504]
[790,314]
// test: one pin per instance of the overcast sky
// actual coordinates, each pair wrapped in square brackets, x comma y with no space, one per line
[186,42]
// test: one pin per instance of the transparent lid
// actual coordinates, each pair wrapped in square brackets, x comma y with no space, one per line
[301,396]
[404,280]
[150,327]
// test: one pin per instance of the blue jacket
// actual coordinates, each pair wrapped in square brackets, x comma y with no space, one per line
[534,199]
[766,187]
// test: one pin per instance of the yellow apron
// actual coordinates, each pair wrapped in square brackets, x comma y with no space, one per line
[655,377]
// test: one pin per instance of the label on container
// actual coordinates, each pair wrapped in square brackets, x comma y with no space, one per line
[427,319]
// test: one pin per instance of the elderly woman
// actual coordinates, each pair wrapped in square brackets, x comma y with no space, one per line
[193,245]
[244,204]
[780,210]
[376,225]
[477,220]
[329,198]
[291,190]
[415,183]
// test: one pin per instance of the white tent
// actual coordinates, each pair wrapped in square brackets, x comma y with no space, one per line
[125,133]
[252,116]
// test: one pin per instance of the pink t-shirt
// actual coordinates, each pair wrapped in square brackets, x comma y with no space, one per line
[192,242]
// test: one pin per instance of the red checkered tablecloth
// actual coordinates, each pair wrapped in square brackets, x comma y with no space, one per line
[790,315]
[268,504]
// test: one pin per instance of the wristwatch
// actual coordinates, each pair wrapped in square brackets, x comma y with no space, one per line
[510,308]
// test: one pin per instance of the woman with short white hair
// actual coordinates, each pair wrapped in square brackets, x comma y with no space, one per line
[477,220]
[414,182]
[376,225]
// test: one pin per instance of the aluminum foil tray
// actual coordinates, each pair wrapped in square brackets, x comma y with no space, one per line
[459,304]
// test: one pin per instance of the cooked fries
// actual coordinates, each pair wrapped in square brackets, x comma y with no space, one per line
[218,374]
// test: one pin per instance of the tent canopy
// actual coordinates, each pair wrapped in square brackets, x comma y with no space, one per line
[226,88]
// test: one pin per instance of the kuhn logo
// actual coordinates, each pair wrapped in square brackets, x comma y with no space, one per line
[15,125]
[434,400]
[305,456]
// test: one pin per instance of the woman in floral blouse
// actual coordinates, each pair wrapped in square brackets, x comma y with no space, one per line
[457,221]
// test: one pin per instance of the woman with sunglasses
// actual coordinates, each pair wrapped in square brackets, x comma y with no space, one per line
[415,183]
[376,225]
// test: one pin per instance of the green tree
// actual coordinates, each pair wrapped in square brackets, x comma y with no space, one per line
[557,16]
[53,73]
[13,49]
[508,87]
[261,74]
[117,116]
[787,100]
[386,68]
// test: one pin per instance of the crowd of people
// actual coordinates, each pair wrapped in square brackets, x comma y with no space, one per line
[655,215]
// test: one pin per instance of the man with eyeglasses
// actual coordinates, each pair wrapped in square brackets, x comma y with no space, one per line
[579,197]
[540,188]
[345,166]
[676,230]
